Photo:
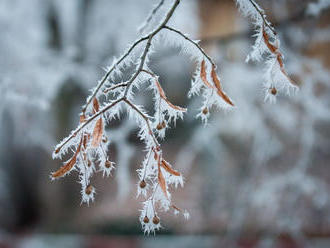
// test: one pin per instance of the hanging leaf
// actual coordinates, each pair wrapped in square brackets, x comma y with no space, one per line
[163,96]
[274,50]
[169,168]
[82,118]
[203,75]
[217,85]
[96,105]
[161,180]
[97,133]
[69,165]
[86,139]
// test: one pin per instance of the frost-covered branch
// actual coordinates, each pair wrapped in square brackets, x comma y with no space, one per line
[267,45]
[89,142]
[151,15]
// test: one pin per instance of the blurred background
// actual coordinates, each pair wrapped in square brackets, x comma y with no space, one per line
[258,176]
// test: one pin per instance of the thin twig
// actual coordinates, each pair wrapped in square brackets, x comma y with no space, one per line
[143,57]
[106,108]
[147,48]
[129,83]
[262,14]
[115,87]
[146,120]
[191,41]
[153,12]
[106,76]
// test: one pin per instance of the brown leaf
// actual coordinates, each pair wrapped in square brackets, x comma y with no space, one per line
[274,50]
[217,85]
[163,96]
[65,168]
[161,180]
[97,133]
[82,118]
[169,168]
[86,139]
[69,165]
[203,75]
[176,208]
[270,46]
[96,106]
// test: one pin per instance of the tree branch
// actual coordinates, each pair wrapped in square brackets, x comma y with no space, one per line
[153,12]
[262,14]
[191,41]
[106,108]
[146,120]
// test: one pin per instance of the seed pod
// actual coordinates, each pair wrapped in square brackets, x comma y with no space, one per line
[108,164]
[273,91]
[104,139]
[205,111]
[89,163]
[89,189]
[146,219]
[159,126]
[143,184]
[155,220]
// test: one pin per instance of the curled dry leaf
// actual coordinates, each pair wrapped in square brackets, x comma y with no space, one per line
[97,133]
[274,50]
[85,140]
[176,208]
[203,75]
[217,85]
[169,168]
[69,165]
[163,96]
[96,105]
[161,180]
[82,118]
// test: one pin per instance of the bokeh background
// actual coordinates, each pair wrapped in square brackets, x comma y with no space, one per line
[258,176]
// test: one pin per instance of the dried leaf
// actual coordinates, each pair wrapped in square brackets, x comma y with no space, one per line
[161,180]
[69,165]
[203,75]
[82,118]
[96,105]
[169,168]
[163,96]
[97,133]
[274,50]
[176,208]
[270,46]
[86,139]
[217,85]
